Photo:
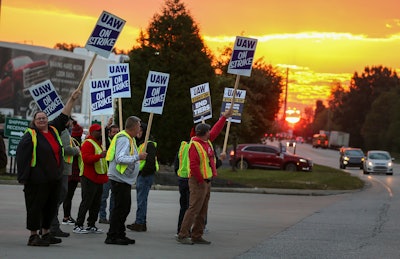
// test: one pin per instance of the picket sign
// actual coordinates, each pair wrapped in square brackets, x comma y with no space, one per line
[228,125]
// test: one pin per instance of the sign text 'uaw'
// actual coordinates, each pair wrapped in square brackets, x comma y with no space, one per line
[101,96]
[238,106]
[201,102]
[156,91]
[119,75]
[242,56]
[105,34]
[46,97]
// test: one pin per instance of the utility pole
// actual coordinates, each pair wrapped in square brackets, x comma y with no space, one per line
[286,93]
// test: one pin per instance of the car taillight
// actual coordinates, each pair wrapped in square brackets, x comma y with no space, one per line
[232,153]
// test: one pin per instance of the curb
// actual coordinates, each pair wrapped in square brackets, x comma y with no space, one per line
[255,190]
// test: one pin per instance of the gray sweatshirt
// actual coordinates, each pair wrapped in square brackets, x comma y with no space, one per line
[122,156]
[68,150]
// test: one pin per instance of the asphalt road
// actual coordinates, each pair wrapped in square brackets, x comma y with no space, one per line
[361,224]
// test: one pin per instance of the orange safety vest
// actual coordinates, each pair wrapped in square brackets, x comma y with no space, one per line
[205,167]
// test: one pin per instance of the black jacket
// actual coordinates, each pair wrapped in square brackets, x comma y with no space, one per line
[46,168]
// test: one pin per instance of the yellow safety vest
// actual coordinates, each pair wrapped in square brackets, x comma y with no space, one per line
[183,156]
[100,166]
[143,162]
[205,167]
[34,141]
[68,158]
[111,150]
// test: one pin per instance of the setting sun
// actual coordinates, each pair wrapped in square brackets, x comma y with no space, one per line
[321,43]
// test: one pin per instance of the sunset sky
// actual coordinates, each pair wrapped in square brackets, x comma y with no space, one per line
[320,41]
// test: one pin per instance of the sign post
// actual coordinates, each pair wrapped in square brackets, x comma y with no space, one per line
[154,97]
[240,64]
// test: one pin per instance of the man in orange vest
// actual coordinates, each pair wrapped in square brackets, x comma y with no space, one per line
[202,170]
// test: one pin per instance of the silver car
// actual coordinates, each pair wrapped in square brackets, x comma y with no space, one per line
[378,161]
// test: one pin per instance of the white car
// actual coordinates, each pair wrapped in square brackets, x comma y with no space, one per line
[378,161]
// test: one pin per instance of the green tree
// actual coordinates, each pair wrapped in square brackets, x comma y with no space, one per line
[171,44]
[351,107]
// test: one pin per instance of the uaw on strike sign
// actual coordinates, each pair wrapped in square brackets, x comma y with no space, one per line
[242,56]
[201,102]
[105,34]
[156,91]
[119,75]
[46,97]
[101,96]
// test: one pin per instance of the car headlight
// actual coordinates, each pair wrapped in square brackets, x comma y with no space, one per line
[390,164]
[346,158]
[370,163]
[303,160]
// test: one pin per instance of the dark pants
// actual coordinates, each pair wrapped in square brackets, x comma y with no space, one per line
[183,200]
[67,204]
[41,201]
[55,224]
[91,199]
[121,209]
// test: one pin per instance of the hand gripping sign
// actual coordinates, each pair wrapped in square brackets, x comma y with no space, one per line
[201,102]
[154,97]
[46,97]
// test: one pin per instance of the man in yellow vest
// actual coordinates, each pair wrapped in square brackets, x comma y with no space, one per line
[202,166]
[123,169]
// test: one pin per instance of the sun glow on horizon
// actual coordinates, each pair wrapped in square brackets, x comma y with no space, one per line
[316,58]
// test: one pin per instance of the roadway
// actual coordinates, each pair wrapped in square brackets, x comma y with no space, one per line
[361,224]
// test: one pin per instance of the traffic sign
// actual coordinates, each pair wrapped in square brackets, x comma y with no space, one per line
[12,146]
[15,128]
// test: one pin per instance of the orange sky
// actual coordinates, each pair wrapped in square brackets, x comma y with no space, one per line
[321,41]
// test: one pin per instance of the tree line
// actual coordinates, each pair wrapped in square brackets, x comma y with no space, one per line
[172,44]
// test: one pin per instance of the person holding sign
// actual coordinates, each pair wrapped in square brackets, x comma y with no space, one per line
[93,176]
[202,166]
[123,169]
[40,169]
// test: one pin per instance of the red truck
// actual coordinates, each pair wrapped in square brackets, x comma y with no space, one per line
[16,76]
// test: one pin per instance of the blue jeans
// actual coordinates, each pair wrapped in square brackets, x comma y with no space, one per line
[104,197]
[143,185]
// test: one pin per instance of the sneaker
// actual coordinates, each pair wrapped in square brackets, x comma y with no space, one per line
[201,241]
[104,221]
[51,239]
[68,221]
[94,230]
[59,233]
[116,241]
[35,240]
[137,227]
[129,240]
[80,230]
[184,240]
